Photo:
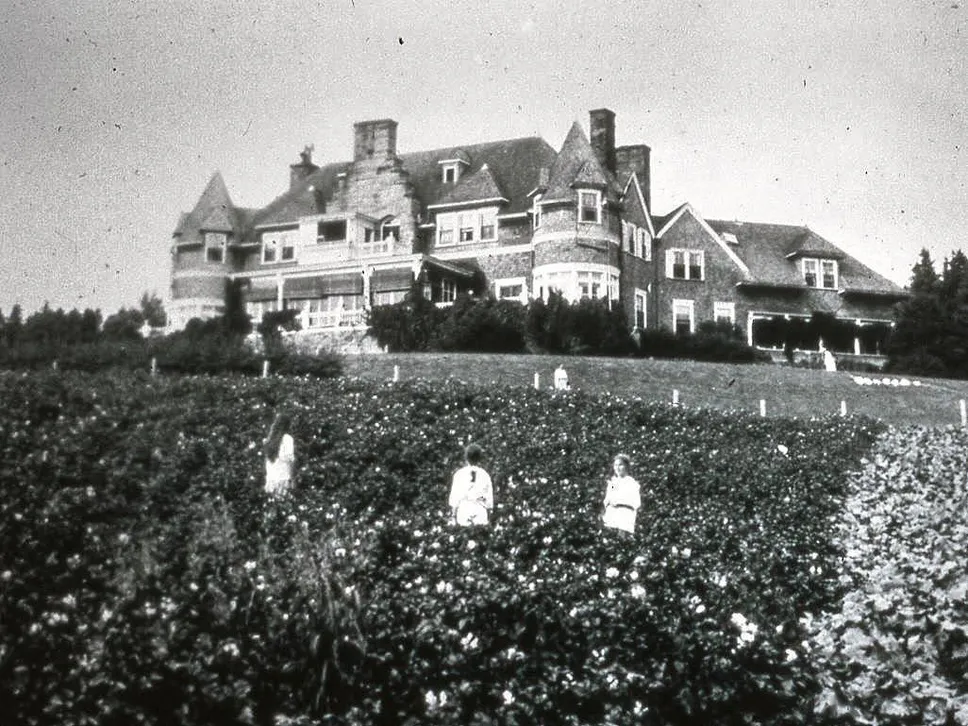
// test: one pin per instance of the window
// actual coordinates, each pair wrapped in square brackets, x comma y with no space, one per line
[589,207]
[683,322]
[810,272]
[536,211]
[828,269]
[389,298]
[724,312]
[446,291]
[445,229]
[215,247]
[577,281]
[450,173]
[644,246]
[466,226]
[369,235]
[331,233]
[590,284]
[488,225]
[685,264]
[512,288]
[390,229]
[820,273]
[640,307]
[278,246]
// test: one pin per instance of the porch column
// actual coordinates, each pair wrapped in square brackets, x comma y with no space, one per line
[280,282]
[750,317]
[367,301]
[858,323]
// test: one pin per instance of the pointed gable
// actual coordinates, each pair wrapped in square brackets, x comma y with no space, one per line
[476,187]
[213,212]
[576,165]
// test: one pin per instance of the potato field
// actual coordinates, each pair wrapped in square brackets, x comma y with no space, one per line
[779,569]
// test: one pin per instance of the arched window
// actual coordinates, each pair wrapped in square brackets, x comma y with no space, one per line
[390,228]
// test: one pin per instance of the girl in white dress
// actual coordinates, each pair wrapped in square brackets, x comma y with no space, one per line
[280,456]
[471,494]
[622,497]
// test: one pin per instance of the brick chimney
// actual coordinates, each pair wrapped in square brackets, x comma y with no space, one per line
[630,159]
[375,140]
[602,123]
[305,167]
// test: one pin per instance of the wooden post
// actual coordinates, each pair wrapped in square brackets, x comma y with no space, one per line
[154,366]
[265,369]
[675,396]
[763,407]
[54,365]
[843,408]
[964,413]
[537,382]
[396,373]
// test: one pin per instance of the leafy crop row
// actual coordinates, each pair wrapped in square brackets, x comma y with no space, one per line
[895,650]
[145,578]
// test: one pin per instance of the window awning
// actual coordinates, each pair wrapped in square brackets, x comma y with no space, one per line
[391,280]
[312,287]
[260,293]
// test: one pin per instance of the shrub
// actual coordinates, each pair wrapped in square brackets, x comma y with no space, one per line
[481,325]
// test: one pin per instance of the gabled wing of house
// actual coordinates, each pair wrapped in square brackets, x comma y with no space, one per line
[473,188]
[773,251]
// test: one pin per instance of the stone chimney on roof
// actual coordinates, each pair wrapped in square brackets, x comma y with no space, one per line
[602,123]
[375,140]
[635,158]
[305,167]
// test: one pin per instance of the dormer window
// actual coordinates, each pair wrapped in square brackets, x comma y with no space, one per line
[730,238]
[215,246]
[450,169]
[820,273]
[590,207]
[536,211]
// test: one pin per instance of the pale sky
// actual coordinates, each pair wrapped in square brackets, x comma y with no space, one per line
[848,117]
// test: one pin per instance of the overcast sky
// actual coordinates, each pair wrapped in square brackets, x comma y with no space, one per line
[848,117]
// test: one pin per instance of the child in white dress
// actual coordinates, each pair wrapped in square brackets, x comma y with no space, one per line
[622,497]
[471,494]
[280,456]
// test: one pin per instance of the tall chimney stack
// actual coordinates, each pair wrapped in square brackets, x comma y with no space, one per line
[375,140]
[602,122]
[635,158]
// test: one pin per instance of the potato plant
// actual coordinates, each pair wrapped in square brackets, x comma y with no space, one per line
[144,576]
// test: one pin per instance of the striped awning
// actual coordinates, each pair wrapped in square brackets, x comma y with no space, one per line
[313,287]
[261,293]
[391,280]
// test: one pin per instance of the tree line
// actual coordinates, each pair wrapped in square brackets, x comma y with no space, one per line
[930,334]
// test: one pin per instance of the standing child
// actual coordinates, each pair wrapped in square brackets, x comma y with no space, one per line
[622,496]
[471,493]
[280,456]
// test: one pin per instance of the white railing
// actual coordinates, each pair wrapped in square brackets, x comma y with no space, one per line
[334,319]
[343,252]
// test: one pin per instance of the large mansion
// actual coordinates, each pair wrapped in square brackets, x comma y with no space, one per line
[513,219]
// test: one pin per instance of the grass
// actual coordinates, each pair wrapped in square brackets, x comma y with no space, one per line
[788,392]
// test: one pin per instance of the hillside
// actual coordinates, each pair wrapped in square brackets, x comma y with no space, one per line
[788,392]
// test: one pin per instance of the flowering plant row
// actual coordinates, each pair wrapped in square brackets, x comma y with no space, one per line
[145,577]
